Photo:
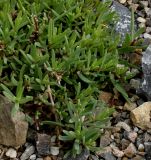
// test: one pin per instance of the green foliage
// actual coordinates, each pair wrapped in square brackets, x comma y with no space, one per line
[61,54]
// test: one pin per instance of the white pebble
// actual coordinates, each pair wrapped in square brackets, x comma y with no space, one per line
[141,148]
[142,25]
[144,3]
[148,29]
[112,137]
[11,153]
[136,129]
[123,125]
[54,151]
[149,12]
[146,9]
[33,157]
[141,20]
[147,36]
[129,2]
[122,1]
[53,139]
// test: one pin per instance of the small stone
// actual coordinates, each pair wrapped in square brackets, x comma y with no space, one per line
[134,98]
[144,3]
[116,129]
[142,25]
[53,139]
[139,140]
[129,2]
[148,22]
[148,30]
[134,6]
[136,129]
[140,13]
[28,152]
[39,159]
[54,151]
[141,148]
[119,107]
[147,36]
[140,116]
[130,151]
[117,141]
[124,126]
[116,135]
[117,152]
[141,20]
[125,143]
[105,96]
[106,153]
[141,153]
[11,153]
[47,158]
[132,136]
[108,156]
[147,137]
[149,12]
[124,158]
[129,106]
[105,139]
[104,150]
[27,144]
[140,131]
[112,137]
[33,157]
[135,58]
[122,1]
[43,144]
[138,157]
[146,9]
[148,150]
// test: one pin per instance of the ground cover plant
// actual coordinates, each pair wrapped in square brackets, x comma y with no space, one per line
[61,54]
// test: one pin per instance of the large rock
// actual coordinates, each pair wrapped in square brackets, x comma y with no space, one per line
[13,129]
[141,116]
[145,87]
[123,25]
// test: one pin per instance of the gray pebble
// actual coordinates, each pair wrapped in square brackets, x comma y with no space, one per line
[54,150]
[144,3]
[148,150]
[124,126]
[141,20]
[28,152]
